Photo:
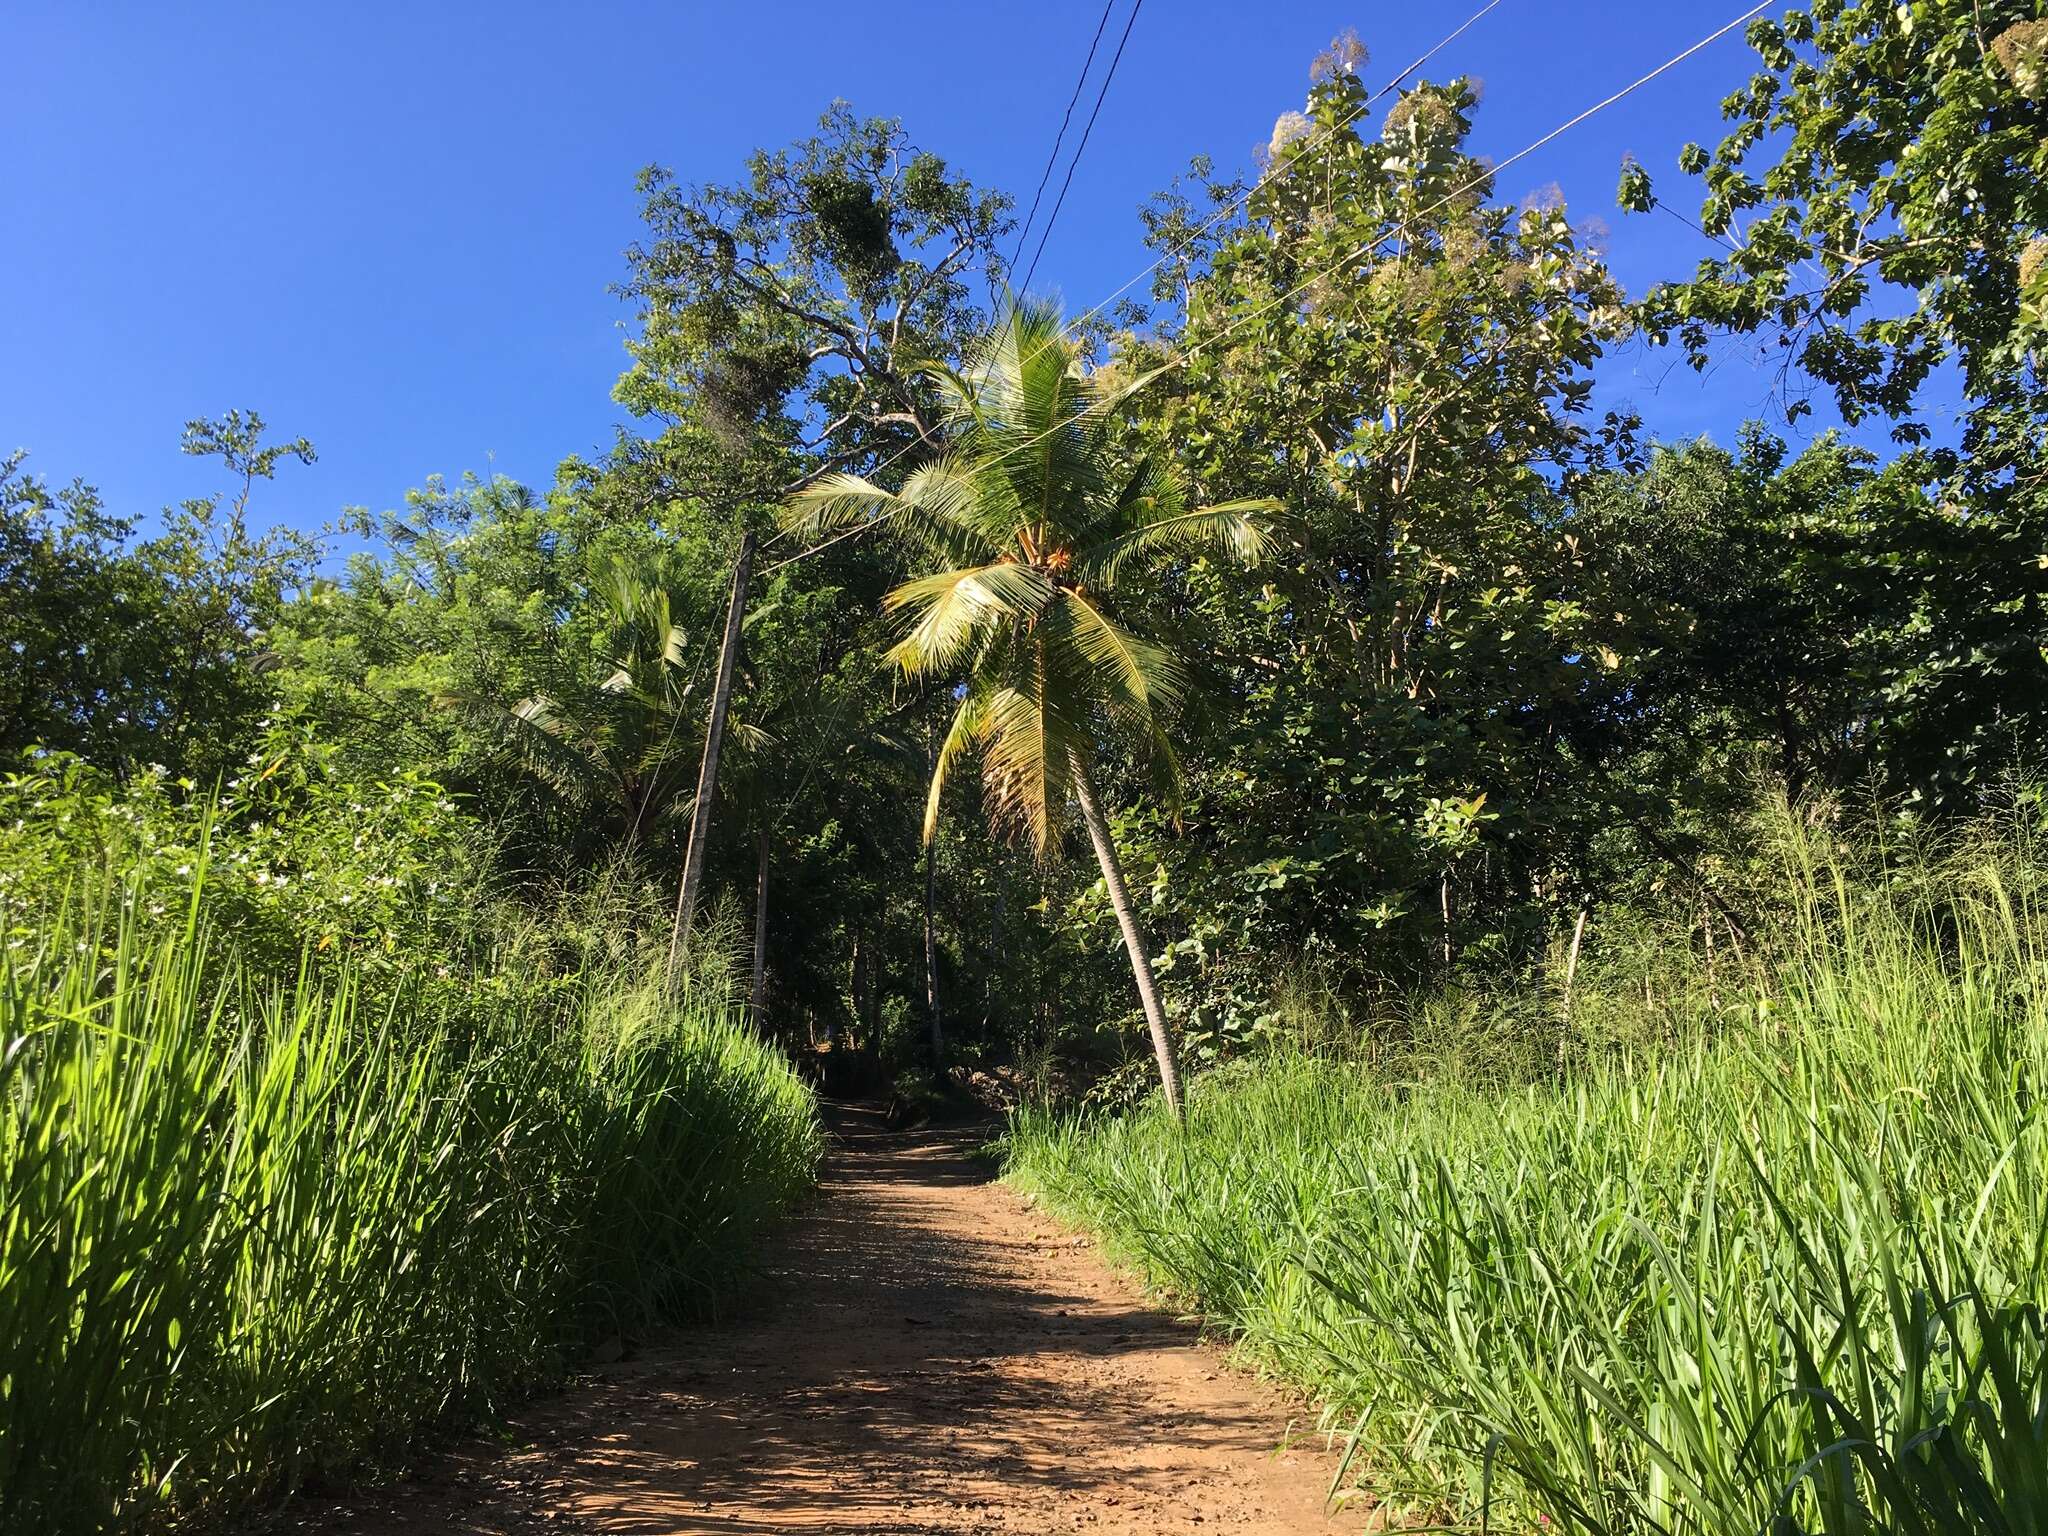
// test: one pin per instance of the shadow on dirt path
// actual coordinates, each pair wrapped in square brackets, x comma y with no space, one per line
[924,1354]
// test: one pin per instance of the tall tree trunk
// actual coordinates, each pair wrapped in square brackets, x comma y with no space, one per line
[759,995]
[707,770]
[856,982]
[1134,938]
[931,930]
[998,949]
[931,953]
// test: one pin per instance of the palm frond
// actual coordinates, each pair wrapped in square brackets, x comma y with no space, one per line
[543,742]
[958,510]
[1138,679]
[961,395]
[675,647]
[1032,418]
[1236,528]
[1029,740]
[1019,370]
[833,504]
[752,739]
[961,736]
[954,606]
[943,509]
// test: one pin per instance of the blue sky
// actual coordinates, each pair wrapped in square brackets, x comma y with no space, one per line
[392,227]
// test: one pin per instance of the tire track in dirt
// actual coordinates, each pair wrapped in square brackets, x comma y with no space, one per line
[924,1355]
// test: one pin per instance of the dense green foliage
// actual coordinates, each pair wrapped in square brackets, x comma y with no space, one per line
[1880,202]
[1785,1274]
[142,651]
[1506,657]
[268,1215]
[1036,523]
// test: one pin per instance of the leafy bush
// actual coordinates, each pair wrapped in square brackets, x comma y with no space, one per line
[384,875]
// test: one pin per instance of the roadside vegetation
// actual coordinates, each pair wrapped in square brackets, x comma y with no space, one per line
[1761,1252]
[271,1217]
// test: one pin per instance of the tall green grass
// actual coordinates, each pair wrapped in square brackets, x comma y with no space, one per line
[252,1232]
[1782,1276]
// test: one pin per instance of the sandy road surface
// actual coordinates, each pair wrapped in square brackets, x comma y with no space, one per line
[925,1354]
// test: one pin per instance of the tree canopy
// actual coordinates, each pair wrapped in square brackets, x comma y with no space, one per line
[1364,646]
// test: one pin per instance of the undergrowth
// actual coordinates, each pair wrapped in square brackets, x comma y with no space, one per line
[260,1227]
[1782,1272]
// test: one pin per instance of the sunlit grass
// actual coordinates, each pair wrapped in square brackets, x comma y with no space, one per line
[253,1230]
[1785,1276]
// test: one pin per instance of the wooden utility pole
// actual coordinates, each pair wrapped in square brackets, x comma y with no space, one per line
[707,771]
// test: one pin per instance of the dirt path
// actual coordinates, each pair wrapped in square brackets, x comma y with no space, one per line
[926,1355]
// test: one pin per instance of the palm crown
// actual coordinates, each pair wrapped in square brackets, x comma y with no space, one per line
[1034,522]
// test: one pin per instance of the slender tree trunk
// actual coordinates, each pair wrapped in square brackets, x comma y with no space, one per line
[878,977]
[1713,983]
[707,770]
[1571,963]
[856,978]
[1134,938]
[931,953]
[759,996]
[998,949]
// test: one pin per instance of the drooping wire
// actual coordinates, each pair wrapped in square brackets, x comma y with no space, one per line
[1081,148]
[1182,355]
[1323,134]
[1308,146]
[1052,159]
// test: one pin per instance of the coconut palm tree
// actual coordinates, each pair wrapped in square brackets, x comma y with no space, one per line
[621,751]
[1037,524]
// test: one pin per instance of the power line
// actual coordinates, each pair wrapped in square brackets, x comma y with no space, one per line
[1052,159]
[1184,354]
[1081,148]
[1315,141]
[1330,131]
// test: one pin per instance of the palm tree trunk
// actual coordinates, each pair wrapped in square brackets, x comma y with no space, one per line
[759,995]
[1134,938]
